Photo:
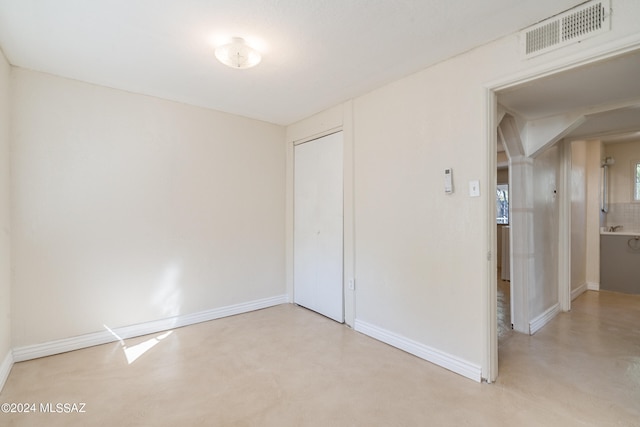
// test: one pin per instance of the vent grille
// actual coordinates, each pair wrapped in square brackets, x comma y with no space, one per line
[569,27]
[583,22]
[543,37]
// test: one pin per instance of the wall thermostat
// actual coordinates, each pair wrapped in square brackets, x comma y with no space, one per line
[448,180]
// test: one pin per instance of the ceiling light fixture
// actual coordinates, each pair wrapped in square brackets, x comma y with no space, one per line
[238,54]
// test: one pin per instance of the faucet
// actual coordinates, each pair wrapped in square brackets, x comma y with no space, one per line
[614,228]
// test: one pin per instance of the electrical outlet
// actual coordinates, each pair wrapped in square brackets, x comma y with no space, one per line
[352,284]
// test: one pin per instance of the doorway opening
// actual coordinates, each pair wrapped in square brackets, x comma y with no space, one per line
[545,113]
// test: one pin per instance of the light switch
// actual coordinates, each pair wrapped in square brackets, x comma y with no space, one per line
[474,188]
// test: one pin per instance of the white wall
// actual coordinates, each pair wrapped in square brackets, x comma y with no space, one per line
[5,270]
[594,156]
[412,239]
[546,229]
[421,255]
[128,208]
[578,214]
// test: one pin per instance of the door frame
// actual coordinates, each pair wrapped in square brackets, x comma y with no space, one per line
[335,119]
[328,308]
[562,64]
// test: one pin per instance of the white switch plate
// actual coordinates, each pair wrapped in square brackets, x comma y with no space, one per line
[474,188]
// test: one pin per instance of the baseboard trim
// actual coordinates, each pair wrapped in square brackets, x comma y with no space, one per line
[536,324]
[5,369]
[110,335]
[440,358]
[578,291]
[593,286]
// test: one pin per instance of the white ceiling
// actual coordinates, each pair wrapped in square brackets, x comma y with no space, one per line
[607,93]
[317,53]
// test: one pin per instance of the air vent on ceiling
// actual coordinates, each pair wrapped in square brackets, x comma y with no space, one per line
[572,26]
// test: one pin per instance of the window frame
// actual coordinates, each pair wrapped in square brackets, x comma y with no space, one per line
[635,180]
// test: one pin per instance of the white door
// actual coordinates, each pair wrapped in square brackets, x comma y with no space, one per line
[318,217]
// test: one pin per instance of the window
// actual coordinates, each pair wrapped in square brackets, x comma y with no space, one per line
[502,203]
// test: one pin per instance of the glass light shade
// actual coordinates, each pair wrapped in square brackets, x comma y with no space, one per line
[238,55]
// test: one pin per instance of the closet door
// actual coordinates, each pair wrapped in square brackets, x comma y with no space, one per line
[318,218]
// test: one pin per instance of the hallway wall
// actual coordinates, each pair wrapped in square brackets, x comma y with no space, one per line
[594,214]
[578,215]
[546,170]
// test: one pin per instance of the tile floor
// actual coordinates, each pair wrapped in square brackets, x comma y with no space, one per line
[286,366]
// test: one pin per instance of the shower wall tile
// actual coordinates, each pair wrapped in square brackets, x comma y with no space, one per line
[625,214]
